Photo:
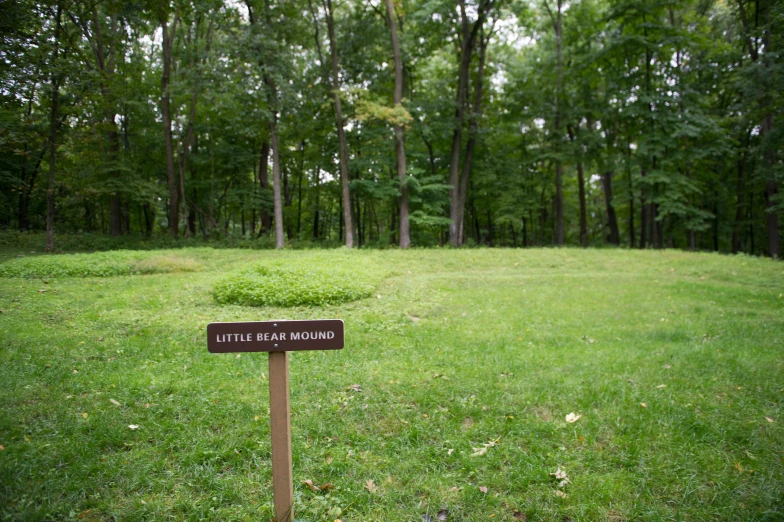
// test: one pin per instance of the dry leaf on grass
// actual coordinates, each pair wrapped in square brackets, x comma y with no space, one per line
[572,417]
[313,487]
[116,403]
[643,405]
[769,419]
[560,493]
[478,452]
[662,386]
[133,427]
[483,489]
[371,486]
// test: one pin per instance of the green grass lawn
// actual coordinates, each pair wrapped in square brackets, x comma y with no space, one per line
[674,360]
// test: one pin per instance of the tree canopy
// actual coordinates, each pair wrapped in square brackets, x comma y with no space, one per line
[643,123]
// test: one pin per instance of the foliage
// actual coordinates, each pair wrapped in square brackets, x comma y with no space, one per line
[298,284]
[671,110]
[102,264]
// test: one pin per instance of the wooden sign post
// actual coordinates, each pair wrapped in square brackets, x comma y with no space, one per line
[278,338]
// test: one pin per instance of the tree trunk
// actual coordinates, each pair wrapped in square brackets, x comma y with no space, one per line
[580,186]
[771,190]
[266,218]
[174,192]
[276,188]
[468,37]
[473,130]
[612,219]
[342,147]
[53,135]
[558,203]
[400,149]
[736,226]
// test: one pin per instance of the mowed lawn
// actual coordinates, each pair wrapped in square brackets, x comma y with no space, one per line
[449,401]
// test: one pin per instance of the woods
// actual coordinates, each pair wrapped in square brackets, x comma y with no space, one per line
[397,122]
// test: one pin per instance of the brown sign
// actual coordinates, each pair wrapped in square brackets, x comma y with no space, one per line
[275,336]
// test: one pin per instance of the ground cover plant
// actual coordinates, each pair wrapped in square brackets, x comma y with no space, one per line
[103,264]
[310,281]
[544,384]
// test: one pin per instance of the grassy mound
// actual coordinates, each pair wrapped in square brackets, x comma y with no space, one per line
[265,285]
[102,264]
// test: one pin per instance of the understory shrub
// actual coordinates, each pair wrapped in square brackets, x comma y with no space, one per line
[99,264]
[265,285]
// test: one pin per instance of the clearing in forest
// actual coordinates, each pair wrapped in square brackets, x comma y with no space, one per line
[533,384]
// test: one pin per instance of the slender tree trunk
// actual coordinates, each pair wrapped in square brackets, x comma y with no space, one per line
[299,187]
[342,147]
[54,116]
[581,186]
[473,131]
[276,183]
[612,219]
[266,219]
[771,190]
[558,203]
[174,190]
[400,149]
[736,226]
[468,37]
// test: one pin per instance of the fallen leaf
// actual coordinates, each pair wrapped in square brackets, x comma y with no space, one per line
[329,459]
[661,386]
[84,415]
[560,493]
[643,405]
[478,452]
[76,371]
[483,489]
[327,486]
[309,484]
[452,450]
[415,318]
[667,366]
[560,474]
[100,338]
[116,403]
[355,387]
[739,467]
[2,448]
[769,419]
[572,417]
[133,427]
[42,291]
[371,486]
[85,513]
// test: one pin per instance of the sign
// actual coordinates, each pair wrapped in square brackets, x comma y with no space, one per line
[275,336]
[278,338]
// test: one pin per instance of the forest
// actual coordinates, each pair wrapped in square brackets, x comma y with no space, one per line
[373,123]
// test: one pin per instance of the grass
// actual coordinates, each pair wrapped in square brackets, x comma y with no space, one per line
[103,264]
[454,349]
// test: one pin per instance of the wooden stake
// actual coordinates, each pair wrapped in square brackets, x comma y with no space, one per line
[280,427]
